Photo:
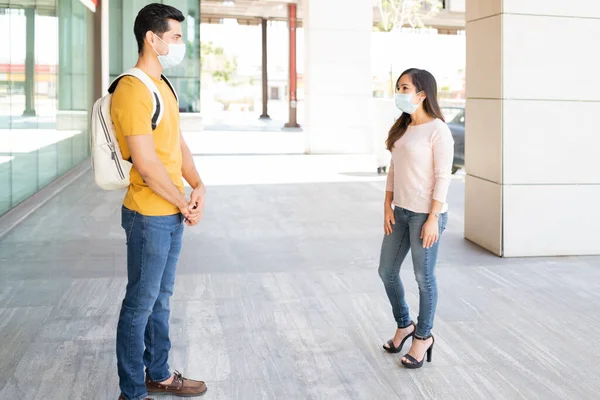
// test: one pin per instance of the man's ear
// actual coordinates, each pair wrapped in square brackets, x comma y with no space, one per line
[150,37]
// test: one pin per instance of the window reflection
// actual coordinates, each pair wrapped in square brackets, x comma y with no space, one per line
[45,94]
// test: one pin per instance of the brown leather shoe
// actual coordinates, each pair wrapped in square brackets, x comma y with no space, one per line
[180,387]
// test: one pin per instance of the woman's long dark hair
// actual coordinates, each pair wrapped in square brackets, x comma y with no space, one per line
[423,81]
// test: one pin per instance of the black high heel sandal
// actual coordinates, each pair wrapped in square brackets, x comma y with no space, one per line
[412,362]
[393,349]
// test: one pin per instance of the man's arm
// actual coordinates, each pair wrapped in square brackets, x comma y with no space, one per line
[191,175]
[188,167]
[153,171]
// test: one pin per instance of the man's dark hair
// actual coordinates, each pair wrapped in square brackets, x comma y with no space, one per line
[154,17]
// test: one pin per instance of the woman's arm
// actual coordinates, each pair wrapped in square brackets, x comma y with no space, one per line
[388,212]
[389,185]
[443,156]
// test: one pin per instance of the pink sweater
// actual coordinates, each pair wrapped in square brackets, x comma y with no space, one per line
[421,167]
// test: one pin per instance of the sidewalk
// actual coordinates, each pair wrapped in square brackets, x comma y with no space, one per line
[278,297]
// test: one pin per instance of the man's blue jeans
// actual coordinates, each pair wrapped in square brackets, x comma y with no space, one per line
[153,246]
[406,235]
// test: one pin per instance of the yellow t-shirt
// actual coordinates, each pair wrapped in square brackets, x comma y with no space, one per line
[131,111]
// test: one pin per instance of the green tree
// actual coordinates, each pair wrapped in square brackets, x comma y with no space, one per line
[214,61]
[401,13]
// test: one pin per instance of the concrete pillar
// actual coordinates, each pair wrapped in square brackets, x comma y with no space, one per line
[338,81]
[533,94]
[98,63]
[265,69]
[293,74]
[29,62]
[105,44]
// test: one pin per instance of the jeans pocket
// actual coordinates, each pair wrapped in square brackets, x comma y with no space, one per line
[127,222]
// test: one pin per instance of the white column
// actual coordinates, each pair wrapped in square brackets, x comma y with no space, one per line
[337,77]
[105,48]
[532,134]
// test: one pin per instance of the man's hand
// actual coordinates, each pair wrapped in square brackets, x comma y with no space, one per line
[196,206]
[190,222]
[184,208]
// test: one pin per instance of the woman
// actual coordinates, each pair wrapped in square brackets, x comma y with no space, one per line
[415,208]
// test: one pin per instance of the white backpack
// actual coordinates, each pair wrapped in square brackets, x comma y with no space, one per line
[111,171]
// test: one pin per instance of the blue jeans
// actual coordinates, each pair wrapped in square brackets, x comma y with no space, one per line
[153,246]
[406,235]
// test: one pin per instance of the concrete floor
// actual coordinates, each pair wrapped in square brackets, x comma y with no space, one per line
[278,297]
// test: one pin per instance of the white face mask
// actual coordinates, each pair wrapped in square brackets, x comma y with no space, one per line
[175,55]
[404,102]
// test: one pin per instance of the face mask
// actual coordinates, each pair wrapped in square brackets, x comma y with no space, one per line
[175,55]
[405,104]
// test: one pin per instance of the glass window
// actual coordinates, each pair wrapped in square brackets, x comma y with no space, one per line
[45,94]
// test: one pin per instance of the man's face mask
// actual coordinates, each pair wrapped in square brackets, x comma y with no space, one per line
[174,56]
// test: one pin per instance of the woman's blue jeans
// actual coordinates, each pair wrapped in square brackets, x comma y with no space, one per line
[406,235]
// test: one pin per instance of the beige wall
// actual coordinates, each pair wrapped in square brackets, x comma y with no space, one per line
[533,90]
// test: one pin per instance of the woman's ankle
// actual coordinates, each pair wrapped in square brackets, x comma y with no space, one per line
[400,327]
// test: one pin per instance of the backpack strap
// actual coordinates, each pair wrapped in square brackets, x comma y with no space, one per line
[156,97]
[164,78]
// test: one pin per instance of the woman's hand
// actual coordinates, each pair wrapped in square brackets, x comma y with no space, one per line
[430,232]
[388,219]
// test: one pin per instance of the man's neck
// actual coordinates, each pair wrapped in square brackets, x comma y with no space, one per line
[150,65]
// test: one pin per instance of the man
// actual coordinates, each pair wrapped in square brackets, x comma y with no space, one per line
[154,210]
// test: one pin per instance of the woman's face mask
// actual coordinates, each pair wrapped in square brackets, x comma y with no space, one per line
[405,102]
